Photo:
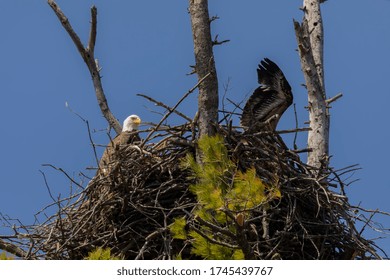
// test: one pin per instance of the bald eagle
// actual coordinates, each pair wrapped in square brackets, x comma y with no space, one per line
[269,101]
[129,135]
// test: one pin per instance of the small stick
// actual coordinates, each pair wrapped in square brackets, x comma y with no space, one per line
[172,109]
[158,103]
[334,98]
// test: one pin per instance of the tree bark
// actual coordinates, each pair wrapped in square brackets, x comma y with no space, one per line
[204,64]
[310,37]
[13,249]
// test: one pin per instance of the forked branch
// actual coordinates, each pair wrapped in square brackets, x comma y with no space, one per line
[87,53]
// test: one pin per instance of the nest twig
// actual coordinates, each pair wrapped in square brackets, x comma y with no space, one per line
[129,210]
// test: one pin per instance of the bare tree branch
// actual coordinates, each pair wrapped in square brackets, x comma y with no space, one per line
[89,132]
[171,110]
[13,249]
[334,98]
[313,16]
[159,103]
[204,58]
[89,58]
[217,42]
[310,45]
[92,34]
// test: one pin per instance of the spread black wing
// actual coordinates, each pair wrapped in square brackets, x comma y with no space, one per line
[270,99]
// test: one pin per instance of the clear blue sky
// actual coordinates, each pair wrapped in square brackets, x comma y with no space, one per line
[146,47]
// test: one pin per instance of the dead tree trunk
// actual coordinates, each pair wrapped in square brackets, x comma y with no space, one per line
[204,64]
[310,39]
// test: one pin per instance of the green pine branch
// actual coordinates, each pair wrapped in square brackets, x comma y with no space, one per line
[226,198]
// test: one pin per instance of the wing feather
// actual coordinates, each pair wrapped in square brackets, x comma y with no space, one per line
[272,97]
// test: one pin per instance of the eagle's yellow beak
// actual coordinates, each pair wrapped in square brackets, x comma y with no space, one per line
[137,121]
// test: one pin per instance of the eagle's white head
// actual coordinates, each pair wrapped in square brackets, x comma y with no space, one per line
[131,123]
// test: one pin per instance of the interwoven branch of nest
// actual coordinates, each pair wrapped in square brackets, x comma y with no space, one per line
[130,209]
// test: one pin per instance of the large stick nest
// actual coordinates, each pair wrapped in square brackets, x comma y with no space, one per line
[130,209]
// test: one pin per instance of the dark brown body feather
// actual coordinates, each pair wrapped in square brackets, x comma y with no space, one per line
[269,101]
[110,154]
